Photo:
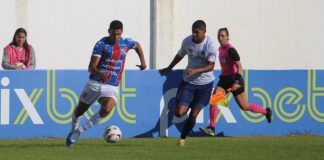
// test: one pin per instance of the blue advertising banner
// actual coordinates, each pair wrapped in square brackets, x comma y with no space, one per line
[40,103]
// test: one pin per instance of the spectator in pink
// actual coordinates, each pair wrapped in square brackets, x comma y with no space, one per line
[19,55]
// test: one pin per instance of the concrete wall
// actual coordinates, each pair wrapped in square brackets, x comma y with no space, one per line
[63,32]
[268,34]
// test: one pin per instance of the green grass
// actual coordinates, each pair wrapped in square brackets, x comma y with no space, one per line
[197,148]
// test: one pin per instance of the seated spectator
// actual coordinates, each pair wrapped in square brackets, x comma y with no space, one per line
[19,55]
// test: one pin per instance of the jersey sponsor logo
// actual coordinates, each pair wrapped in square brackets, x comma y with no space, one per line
[123,51]
[114,61]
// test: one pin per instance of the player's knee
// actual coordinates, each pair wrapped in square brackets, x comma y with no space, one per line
[244,108]
[105,111]
[179,113]
[81,108]
[192,117]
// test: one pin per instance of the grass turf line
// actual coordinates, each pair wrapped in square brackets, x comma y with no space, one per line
[224,148]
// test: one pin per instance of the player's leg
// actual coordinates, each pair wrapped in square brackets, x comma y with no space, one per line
[88,96]
[213,110]
[107,104]
[107,100]
[190,122]
[183,99]
[201,97]
[180,111]
[241,100]
[77,115]
[210,130]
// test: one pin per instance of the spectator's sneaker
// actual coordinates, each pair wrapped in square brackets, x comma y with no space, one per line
[208,130]
[72,139]
[181,142]
[269,115]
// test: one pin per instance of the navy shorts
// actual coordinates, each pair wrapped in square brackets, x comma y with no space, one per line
[226,82]
[194,95]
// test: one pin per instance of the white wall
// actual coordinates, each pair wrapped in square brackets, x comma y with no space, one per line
[8,22]
[63,32]
[268,34]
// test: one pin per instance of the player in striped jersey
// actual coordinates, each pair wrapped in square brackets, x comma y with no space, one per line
[105,67]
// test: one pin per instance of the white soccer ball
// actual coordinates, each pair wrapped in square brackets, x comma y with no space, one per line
[112,134]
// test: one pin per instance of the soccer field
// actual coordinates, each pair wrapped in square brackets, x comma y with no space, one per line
[222,148]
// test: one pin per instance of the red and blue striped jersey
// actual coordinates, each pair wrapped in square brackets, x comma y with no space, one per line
[112,59]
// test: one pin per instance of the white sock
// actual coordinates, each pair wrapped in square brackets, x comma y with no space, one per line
[75,123]
[96,118]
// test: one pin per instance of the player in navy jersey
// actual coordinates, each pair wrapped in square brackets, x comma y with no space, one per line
[195,90]
[105,67]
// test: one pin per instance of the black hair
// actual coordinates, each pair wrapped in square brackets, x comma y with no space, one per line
[25,45]
[199,24]
[116,24]
[223,29]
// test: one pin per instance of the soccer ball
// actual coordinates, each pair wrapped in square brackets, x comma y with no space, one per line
[112,134]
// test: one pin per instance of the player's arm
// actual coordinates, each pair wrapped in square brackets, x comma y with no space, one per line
[140,54]
[177,58]
[92,68]
[239,67]
[208,68]
[175,61]
[211,57]
[236,58]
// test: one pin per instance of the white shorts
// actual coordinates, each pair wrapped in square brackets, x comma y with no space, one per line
[94,90]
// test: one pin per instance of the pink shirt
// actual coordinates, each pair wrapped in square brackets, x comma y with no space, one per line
[227,64]
[15,55]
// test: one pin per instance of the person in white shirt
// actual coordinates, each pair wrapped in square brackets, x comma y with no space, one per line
[195,90]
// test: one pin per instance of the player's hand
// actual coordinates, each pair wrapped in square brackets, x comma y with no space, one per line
[104,76]
[190,72]
[164,71]
[142,66]
[235,86]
